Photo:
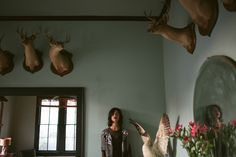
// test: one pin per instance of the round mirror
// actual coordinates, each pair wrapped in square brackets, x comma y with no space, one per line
[216,84]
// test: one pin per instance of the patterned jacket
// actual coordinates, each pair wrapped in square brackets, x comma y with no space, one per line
[106,143]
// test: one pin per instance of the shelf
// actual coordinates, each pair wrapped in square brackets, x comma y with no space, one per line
[73,18]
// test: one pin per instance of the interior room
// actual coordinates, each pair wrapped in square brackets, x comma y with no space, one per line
[117,61]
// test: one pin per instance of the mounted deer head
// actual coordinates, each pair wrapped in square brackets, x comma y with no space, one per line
[184,36]
[6,60]
[32,58]
[204,14]
[61,60]
[230,5]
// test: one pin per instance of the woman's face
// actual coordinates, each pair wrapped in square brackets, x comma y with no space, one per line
[216,113]
[115,117]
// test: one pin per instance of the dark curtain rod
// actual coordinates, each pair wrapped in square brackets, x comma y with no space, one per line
[73,18]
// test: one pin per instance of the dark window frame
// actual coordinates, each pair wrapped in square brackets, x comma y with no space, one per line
[54,91]
[60,148]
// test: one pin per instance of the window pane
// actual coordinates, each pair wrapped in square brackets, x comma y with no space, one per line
[52,140]
[48,132]
[52,143]
[70,144]
[44,115]
[70,137]
[70,130]
[45,102]
[43,136]
[43,132]
[42,143]
[50,102]
[52,131]
[54,103]
[71,102]
[71,118]
[54,115]
[71,115]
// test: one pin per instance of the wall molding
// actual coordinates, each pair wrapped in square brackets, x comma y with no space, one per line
[73,18]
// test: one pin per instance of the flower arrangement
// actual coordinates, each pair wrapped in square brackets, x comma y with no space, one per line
[200,140]
[196,139]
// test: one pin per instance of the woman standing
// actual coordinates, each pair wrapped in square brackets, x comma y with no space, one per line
[114,137]
[215,122]
[214,117]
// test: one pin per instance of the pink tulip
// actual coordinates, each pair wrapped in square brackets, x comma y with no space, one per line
[203,129]
[186,139]
[233,122]
[178,127]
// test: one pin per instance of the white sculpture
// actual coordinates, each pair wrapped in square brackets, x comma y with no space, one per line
[159,147]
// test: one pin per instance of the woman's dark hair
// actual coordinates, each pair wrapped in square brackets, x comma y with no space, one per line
[111,112]
[210,119]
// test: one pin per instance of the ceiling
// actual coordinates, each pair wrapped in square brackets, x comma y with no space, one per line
[79,7]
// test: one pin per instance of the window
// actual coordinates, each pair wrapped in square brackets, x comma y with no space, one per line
[58,126]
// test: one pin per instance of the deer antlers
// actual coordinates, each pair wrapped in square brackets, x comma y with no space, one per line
[162,19]
[61,60]
[24,37]
[6,60]
[52,41]
[33,59]
[184,36]
[204,14]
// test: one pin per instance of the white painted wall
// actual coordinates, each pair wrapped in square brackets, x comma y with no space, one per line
[7,117]
[22,124]
[181,69]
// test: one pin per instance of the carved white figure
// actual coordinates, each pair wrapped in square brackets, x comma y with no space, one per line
[158,148]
